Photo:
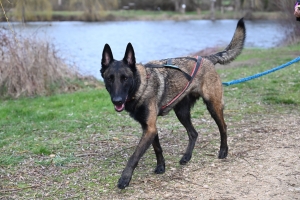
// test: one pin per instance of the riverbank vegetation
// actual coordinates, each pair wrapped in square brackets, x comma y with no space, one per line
[114,10]
[103,10]
[31,67]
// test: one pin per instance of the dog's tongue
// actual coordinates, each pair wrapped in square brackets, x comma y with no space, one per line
[120,107]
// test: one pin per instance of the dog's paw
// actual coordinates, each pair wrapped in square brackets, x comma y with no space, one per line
[123,182]
[223,153]
[185,159]
[160,169]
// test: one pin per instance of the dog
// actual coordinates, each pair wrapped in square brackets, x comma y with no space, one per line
[152,90]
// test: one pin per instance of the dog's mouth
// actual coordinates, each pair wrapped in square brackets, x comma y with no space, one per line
[119,107]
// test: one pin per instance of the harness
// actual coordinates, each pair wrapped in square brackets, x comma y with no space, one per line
[189,77]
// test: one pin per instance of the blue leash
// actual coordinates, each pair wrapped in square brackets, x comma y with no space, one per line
[262,73]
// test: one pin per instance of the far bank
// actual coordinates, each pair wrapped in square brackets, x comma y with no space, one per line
[145,15]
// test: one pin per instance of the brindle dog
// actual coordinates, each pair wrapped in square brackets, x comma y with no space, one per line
[152,90]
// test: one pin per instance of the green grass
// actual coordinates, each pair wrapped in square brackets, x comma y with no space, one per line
[82,142]
[41,125]
[278,88]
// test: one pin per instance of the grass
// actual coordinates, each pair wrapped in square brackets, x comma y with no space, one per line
[65,112]
[75,145]
[277,88]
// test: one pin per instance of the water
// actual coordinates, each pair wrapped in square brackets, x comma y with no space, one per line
[83,42]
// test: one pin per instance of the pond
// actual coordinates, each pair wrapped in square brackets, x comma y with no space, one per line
[83,42]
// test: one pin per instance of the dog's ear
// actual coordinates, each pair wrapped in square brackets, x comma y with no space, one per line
[129,56]
[107,56]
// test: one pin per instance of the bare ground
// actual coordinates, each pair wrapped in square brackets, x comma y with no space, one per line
[263,164]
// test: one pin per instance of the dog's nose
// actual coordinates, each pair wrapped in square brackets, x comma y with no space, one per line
[117,100]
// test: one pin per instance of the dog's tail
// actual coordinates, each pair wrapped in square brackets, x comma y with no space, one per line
[234,48]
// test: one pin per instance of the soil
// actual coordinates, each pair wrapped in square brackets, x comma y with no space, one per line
[263,163]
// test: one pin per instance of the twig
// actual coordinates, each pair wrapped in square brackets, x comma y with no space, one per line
[252,175]
[54,192]
[5,197]
[246,160]
[9,25]
[207,143]
[73,197]
[240,154]
[210,154]
[225,111]
[121,150]
[17,189]
[87,154]
[94,154]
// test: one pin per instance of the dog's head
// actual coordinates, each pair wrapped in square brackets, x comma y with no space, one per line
[118,76]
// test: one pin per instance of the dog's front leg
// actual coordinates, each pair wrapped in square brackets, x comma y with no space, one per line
[149,133]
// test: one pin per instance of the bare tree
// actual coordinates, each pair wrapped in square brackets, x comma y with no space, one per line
[94,10]
[176,5]
[248,7]
[29,10]
[212,9]
[8,4]
[237,8]
[196,4]
[291,25]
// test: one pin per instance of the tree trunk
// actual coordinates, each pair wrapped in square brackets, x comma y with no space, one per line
[237,8]
[212,9]
[23,12]
[248,9]
[176,4]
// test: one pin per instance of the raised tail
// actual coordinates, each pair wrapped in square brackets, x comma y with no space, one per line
[234,48]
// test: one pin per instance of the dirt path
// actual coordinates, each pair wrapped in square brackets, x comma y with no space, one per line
[264,163]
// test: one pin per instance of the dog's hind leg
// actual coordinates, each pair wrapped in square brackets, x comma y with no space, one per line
[182,111]
[160,168]
[214,105]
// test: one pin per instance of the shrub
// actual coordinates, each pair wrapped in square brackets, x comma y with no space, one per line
[30,66]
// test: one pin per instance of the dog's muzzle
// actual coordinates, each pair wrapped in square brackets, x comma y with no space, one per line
[119,103]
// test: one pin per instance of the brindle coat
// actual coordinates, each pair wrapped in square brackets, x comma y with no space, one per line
[143,91]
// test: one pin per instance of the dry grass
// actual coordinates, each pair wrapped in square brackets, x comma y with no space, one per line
[31,67]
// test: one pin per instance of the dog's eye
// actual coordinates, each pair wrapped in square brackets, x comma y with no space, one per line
[124,78]
[110,79]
